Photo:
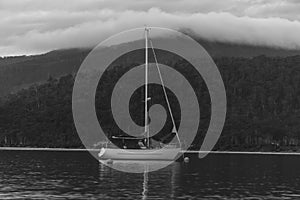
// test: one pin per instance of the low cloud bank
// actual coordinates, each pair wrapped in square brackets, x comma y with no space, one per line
[39,31]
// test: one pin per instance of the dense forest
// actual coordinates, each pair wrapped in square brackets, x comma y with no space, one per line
[263,95]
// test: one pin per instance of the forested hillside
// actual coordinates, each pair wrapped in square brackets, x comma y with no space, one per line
[21,71]
[263,96]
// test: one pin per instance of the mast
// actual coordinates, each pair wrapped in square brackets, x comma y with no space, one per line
[146,86]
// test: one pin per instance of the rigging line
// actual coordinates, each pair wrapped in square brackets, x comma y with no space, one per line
[165,93]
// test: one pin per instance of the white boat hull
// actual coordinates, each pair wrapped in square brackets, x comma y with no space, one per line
[139,154]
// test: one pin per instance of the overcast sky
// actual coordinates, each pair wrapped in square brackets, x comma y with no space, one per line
[36,26]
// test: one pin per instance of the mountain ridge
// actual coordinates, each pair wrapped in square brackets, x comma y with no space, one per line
[19,72]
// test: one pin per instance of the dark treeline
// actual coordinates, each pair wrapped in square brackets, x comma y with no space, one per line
[40,116]
[263,113]
[263,97]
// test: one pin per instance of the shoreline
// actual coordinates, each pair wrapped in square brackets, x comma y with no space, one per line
[97,150]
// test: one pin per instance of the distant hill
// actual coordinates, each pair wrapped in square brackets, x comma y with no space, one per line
[263,107]
[21,71]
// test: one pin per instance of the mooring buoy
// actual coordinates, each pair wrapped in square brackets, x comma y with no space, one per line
[186,159]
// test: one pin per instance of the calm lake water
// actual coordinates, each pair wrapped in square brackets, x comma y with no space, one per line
[77,175]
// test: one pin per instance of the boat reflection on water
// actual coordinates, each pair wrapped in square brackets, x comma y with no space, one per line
[145,183]
[136,166]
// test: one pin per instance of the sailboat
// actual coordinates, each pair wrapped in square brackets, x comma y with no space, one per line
[145,152]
